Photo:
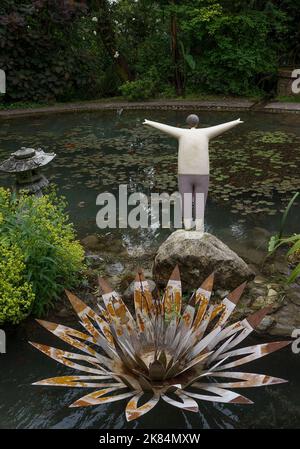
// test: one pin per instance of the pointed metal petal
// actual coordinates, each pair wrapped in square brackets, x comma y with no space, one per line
[65,356]
[133,411]
[116,308]
[66,333]
[204,343]
[202,298]
[85,312]
[173,295]
[255,318]
[247,325]
[235,295]
[228,304]
[98,397]
[185,402]
[255,352]
[77,382]
[208,284]
[221,395]
[104,286]
[247,380]
[175,275]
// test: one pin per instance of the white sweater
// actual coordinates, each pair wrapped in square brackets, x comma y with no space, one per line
[193,158]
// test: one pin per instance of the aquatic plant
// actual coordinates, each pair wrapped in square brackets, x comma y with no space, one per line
[293,242]
[178,357]
[40,229]
[275,239]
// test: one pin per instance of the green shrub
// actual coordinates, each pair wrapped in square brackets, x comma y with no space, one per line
[38,51]
[239,53]
[16,295]
[39,228]
[141,89]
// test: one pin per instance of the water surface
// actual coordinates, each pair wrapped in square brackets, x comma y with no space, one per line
[254,172]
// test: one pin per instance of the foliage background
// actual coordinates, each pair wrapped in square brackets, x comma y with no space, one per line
[63,50]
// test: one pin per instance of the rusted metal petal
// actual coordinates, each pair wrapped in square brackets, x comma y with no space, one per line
[255,352]
[221,395]
[235,295]
[115,306]
[206,286]
[173,295]
[66,334]
[162,358]
[86,314]
[133,411]
[203,295]
[184,402]
[187,317]
[199,359]
[99,397]
[204,342]
[65,356]
[255,318]
[226,332]
[143,304]
[247,380]
[219,352]
[77,382]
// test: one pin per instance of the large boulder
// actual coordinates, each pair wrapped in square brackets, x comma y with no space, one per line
[198,255]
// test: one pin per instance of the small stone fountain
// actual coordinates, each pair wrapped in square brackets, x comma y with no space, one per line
[26,164]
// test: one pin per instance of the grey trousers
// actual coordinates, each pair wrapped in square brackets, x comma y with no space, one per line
[193,189]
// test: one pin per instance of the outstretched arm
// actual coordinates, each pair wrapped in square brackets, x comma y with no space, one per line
[214,131]
[171,130]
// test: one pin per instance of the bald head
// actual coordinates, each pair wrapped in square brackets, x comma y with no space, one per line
[192,120]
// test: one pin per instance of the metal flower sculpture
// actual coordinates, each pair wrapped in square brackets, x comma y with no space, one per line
[176,352]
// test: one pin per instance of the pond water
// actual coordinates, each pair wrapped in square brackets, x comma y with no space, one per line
[254,173]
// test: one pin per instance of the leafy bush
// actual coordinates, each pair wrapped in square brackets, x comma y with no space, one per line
[239,52]
[64,50]
[39,228]
[16,294]
[141,89]
[37,51]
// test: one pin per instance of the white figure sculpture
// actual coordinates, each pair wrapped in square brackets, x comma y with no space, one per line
[193,165]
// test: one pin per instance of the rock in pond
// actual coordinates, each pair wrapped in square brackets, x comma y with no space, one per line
[114,269]
[91,242]
[93,260]
[287,318]
[198,255]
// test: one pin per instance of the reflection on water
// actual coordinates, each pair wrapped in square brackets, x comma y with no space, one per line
[255,169]
[26,406]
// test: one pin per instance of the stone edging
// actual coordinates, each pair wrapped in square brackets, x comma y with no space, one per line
[222,105]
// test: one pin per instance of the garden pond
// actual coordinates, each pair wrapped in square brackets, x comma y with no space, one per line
[254,173]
